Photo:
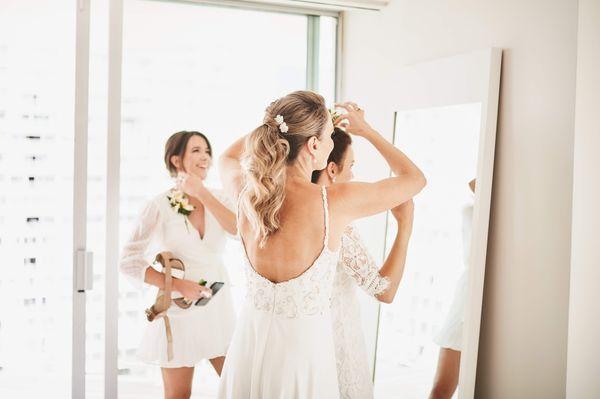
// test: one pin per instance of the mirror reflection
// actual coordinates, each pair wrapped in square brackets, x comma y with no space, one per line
[422,331]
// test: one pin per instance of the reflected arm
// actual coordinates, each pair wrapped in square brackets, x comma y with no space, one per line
[382,283]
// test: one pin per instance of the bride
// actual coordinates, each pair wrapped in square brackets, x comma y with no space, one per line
[290,230]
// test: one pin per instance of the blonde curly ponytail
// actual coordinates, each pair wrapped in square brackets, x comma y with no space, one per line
[269,150]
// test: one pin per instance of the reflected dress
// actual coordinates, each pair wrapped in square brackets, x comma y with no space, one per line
[355,267]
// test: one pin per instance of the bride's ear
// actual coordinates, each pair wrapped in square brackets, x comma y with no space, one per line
[312,145]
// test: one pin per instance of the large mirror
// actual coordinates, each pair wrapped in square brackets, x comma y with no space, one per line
[445,118]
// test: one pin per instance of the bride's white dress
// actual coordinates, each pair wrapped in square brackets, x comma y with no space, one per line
[283,344]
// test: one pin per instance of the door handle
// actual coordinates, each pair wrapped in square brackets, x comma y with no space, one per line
[84,279]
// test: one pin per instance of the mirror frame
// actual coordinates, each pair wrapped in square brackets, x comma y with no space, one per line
[445,82]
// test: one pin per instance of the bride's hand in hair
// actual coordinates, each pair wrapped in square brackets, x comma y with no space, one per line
[354,120]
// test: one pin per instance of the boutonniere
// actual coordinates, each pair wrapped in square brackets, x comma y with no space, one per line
[180,204]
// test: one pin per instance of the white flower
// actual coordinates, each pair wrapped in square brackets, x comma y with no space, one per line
[179,202]
[176,195]
[279,119]
[283,127]
[185,204]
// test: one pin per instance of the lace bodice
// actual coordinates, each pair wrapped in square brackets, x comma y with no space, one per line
[306,295]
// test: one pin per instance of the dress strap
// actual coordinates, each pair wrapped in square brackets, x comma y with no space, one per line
[326,213]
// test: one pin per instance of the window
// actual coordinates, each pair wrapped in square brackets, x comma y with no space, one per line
[36,192]
[206,68]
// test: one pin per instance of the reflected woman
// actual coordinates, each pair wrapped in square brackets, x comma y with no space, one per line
[450,336]
[356,267]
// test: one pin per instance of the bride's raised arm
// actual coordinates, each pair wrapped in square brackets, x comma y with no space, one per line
[355,200]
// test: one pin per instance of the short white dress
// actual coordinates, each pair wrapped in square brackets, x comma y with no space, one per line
[355,267]
[450,335]
[283,344]
[199,332]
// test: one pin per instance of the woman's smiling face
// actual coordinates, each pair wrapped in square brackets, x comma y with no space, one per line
[197,158]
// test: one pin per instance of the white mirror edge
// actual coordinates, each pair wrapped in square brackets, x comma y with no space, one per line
[481,219]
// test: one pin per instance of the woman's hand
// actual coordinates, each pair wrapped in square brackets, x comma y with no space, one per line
[354,120]
[404,215]
[191,185]
[191,290]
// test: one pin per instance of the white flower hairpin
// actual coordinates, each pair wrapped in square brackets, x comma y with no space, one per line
[283,127]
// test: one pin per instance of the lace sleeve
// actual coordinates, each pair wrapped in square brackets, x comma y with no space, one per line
[359,264]
[133,262]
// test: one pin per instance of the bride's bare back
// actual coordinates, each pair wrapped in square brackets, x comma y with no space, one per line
[283,205]
[299,241]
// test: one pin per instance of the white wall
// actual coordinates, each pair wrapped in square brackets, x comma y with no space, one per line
[584,315]
[523,345]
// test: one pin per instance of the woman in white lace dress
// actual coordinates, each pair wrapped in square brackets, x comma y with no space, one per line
[291,231]
[198,239]
[356,267]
